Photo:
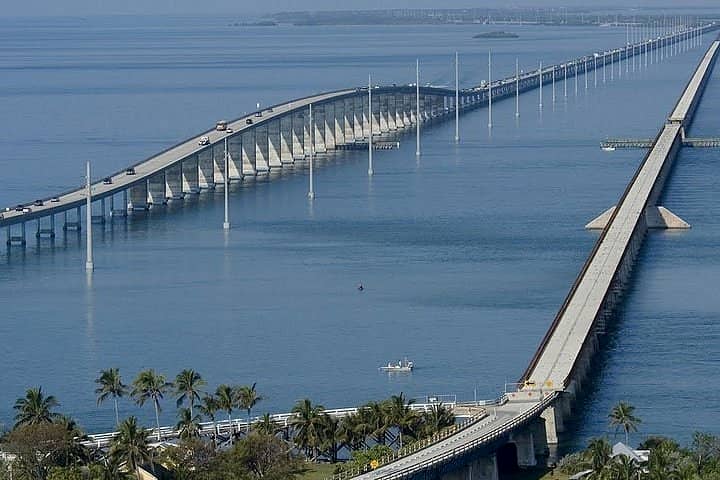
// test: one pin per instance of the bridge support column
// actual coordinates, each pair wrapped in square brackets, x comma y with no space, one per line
[525,443]
[484,468]
[318,127]
[274,146]
[69,225]
[156,189]
[392,112]
[328,125]
[408,111]
[339,122]
[261,149]
[173,182]
[348,119]
[383,113]
[286,139]
[46,232]
[100,219]
[206,173]
[358,118]
[217,152]
[138,198]
[299,127]
[189,168]
[248,153]
[554,419]
[399,101]
[376,117]
[18,240]
[235,164]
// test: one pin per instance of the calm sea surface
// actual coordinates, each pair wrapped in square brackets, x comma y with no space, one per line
[466,253]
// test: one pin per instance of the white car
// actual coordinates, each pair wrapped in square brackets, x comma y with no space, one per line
[204,140]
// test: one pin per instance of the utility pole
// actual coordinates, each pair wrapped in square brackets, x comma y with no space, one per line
[89,265]
[311,193]
[370,137]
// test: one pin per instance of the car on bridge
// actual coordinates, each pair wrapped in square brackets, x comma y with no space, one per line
[130,171]
[204,140]
[55,199]
[107,181]
[38,203]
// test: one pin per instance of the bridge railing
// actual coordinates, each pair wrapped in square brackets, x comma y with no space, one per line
[465,448]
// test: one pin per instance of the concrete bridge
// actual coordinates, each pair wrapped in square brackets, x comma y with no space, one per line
[526,425]
[284,134]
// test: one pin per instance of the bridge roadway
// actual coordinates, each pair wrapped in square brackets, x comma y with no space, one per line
[550,373]
[189,167]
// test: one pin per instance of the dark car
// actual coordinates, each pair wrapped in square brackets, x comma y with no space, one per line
[19,208]
[38,203]
[107,180]
[249,121]
[130,171]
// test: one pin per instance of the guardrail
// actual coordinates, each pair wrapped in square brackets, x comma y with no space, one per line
[238,424]
[465,448]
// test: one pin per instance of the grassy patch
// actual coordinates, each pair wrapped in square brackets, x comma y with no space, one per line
[317,471]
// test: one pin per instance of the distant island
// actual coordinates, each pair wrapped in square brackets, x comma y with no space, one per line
[264,23]
[497,35]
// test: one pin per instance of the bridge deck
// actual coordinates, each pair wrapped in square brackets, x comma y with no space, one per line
[564,346]
[689,96]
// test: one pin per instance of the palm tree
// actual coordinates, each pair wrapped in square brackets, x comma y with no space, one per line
[35,408]
[188,426]
[354,431]
[209,407]
[150,386]
[187,387]
[130,445]
[247,398]
[75,452]
[378,420]
[436,419]
[624,468]
[598,456]
[225,397]
[401,416]
[332,437]
[307,421]
[110,385]
[266,426]
[622,417]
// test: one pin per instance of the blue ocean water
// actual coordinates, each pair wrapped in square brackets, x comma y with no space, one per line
[465,253]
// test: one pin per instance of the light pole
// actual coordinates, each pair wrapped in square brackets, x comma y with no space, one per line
[226,223]
[517,87]
[311,192]
[370,136]
[89,265]
[489,89]
[417,107]
[457,99]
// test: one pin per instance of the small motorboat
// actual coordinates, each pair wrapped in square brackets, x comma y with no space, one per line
[401,366]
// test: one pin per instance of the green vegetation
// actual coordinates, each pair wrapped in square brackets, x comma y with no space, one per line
[45,445]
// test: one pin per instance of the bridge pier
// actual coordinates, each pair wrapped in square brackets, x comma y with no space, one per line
[358,113]
[286,139]
[190,171]
[138,198]
[274,144]
[338,122]
[328,126]
[173,182]
[262,163]
[206,171]
[299,128]
[348,119]
[98,219]
[156,189]
[318,129]
[484,468]
[235,164]
[247,145]
[46,232]
[67,225]
[16,240]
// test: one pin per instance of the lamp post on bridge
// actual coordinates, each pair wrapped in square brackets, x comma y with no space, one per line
[517,87]
[311,192]
[540,77]
[417,107]
[370,136]
[489,89]
[457,98]
[226,222]
[89,265]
